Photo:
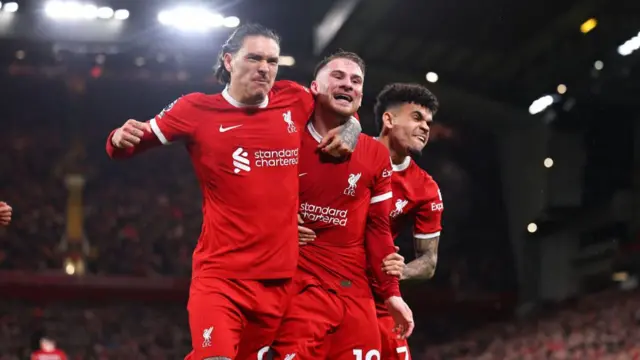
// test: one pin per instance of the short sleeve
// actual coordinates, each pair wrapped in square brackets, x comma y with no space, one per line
[428,222]
[176,121]
[382,178]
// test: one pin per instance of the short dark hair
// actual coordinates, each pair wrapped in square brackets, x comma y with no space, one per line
[400,93]
[234,43]
[340,54]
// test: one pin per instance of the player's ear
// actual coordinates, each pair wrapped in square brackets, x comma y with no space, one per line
[314,88]
[387,120]
[227,57]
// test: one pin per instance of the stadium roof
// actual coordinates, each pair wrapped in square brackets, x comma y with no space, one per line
[494,54]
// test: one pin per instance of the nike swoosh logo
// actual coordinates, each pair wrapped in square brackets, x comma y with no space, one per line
[303,174]
[224,129]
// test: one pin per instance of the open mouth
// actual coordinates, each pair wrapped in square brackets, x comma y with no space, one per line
[422,138]
[343,97]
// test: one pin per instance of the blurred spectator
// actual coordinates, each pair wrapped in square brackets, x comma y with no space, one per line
[97,332]
[602,326]
[48,351]
[5,213]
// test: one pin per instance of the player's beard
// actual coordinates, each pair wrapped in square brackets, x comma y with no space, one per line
[415,154]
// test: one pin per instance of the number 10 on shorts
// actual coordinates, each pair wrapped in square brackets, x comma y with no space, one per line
[370,355]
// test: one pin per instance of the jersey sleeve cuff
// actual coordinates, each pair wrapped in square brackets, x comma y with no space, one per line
[427,236]
[382,197]
[391,291]
[156,130]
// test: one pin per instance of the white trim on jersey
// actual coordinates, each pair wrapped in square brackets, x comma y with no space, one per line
[383,197]
[426,236]
[314,133]
[156,130]
[236,103]
[402,166]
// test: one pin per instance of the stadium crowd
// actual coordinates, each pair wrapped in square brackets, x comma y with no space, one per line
[603,326]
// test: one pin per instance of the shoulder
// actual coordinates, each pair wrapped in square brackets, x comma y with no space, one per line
[191,99]
[288,86]
[286,92]
[373,150]
[371,144]
[205,101]
[429,184]
[185,102]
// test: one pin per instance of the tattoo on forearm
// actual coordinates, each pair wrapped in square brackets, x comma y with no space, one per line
[424,266]
[350,132]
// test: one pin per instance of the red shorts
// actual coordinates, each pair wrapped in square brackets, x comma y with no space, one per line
[357,337]
[234,318]
[392,347]
[313,313]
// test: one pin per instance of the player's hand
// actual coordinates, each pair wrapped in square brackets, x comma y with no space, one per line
[342,140]
[402,316]
[5,213]
[393,264]
[305,235]
[129,134]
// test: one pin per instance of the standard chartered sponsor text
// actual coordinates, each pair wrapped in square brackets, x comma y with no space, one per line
[325,214]
[270,158]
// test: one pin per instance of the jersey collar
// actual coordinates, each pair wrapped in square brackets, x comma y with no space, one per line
[403,165]
[314,133]
[234,102]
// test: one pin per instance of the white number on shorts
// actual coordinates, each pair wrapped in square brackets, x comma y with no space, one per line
[371,354]
[403,350]
[262,351]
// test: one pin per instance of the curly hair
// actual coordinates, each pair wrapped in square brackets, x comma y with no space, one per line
[234,43]
[401,93]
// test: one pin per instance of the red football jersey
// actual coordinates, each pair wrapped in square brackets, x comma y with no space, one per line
[416,199]
[49,355]
[346,203]
[246,160]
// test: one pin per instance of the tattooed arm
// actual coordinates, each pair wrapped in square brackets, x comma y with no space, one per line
[343,139]
[424,265]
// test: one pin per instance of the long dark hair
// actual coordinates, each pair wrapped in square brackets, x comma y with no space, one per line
[234,43]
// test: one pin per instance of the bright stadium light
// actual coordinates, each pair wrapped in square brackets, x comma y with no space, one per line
[195,19]
[629,46]
[231,21]
[286,61]
[121,14]
[72,10]
[70,269]
[588,25]
[105,13]
[432,77]
[63,10]
[90,12]
[562,88]
[548,162]
[532,227]
[598,65]
[10,7]
[540,104]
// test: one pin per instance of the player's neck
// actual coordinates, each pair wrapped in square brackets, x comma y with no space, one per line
[324,120]
[397,157]
[240,98]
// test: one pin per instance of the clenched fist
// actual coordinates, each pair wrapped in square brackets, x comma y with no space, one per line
[129,134]
[5,213]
